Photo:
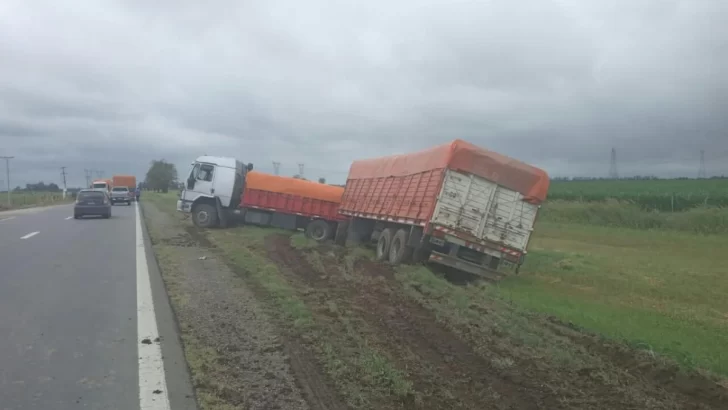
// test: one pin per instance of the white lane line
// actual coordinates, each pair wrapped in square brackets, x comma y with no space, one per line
[7,219]
[69,217]
[30,235]
[152,381]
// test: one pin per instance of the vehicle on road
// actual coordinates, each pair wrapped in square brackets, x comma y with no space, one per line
[128,181]
[121,194]
[455,204]
[92,202]
[101,185]
[220,190]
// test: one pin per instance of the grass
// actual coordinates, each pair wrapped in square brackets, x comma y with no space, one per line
[661,291]
[30,199]
[662,195]
[701,220]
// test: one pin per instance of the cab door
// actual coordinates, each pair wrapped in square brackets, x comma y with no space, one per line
[200,181]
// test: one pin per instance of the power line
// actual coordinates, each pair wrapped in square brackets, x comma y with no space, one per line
[300,170]
[701,171]
[87,174]
[613,165]
[276,167]
[7,176]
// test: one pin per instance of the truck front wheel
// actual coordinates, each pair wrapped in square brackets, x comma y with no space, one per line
[383,244]
[204,215]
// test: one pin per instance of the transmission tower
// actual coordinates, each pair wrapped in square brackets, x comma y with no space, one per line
[613,174]
[276,167]
[88,174]
[701,171]
[300,170]
[7,176]
[99,174]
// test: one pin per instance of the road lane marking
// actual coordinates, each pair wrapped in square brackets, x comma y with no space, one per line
[152,381]
[7,219]
[30,235]
[69,217]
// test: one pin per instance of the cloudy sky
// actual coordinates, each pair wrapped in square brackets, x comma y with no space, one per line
[111,85]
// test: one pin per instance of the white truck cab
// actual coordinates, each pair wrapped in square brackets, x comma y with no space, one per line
[212,189]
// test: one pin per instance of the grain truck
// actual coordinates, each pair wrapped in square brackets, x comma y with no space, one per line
[455,204]
[222,190]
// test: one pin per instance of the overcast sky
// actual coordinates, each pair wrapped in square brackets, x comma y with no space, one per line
[112,85]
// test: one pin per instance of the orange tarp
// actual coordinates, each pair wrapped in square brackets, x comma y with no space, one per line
[531,182]
[293,186]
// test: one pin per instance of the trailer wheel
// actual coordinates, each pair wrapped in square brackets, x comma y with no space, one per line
[318,230]
[399,252]
[204,215]
[383,244]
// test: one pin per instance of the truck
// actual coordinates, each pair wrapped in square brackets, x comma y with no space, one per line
[220,191]
[128,181]
[455,204]
[101,185]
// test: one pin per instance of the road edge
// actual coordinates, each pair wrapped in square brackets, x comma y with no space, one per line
[179,383]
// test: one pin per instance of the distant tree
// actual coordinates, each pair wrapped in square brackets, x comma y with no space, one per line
[161,176]
[299,177]
[322,180]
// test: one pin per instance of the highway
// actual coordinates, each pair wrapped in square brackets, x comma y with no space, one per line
[75,296]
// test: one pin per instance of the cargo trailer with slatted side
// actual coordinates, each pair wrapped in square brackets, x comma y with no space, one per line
[456,205]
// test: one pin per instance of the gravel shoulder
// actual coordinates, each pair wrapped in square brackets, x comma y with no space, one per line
[236,356]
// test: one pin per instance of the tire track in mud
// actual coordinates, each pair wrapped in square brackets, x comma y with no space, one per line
[446,371]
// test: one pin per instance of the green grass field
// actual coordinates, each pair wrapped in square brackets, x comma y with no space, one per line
[662,195]
[28,199]
[659,290]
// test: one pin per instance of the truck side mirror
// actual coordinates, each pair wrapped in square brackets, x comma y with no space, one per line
[249,167]
[190,183]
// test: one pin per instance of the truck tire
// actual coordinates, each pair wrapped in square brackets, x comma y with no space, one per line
[383,244]
[204,216]
[318,230]
[399,252]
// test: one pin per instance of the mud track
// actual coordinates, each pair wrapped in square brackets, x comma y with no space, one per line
[449,373]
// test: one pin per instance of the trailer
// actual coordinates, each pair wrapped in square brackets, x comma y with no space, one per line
[220,191]
[455,204]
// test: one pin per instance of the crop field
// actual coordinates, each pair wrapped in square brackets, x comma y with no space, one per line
[661,195]
[27,199]
[600,317]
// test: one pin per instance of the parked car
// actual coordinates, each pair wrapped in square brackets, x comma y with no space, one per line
[121,194]
[92,202]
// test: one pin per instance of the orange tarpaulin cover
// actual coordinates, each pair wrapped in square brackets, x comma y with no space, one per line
[531,182]
[293,186]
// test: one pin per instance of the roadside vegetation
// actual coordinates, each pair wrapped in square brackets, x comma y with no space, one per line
[23,199]
[664,195]
[413,338]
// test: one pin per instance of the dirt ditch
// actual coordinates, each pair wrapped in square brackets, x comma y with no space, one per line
[448,370]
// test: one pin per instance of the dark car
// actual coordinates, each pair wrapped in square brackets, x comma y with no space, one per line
[90,202]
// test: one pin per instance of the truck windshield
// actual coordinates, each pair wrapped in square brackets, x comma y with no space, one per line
[99,185]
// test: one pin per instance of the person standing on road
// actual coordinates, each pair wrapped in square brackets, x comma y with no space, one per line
[137,193]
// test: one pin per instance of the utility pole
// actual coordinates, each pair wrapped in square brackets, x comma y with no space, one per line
[276,167]
[7,176]
[613,174]
[63,172]
[300,170]
[701,171]
[87,175]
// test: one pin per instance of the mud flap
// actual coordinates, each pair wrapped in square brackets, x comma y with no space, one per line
[341,231]
[221,214]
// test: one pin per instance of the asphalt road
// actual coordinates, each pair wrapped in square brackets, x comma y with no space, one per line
[69,314]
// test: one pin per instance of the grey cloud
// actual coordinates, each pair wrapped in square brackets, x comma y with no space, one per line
[111,86]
